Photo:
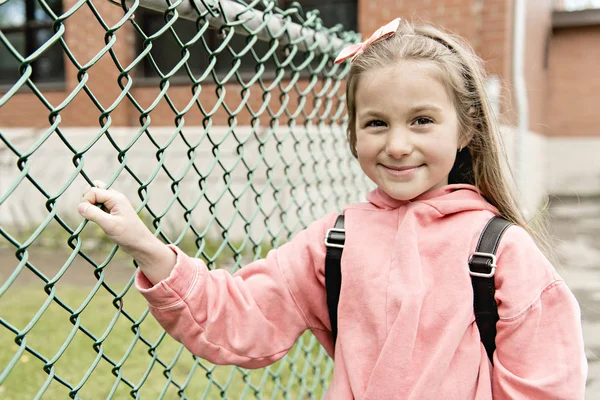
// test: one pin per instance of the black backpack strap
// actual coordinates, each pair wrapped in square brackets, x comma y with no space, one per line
[482,267]
[334,241]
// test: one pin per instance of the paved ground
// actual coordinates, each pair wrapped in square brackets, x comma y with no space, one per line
[576,227]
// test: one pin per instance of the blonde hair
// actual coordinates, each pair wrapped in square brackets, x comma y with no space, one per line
[462,74]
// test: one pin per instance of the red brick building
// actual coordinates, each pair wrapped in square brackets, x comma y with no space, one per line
[561,53]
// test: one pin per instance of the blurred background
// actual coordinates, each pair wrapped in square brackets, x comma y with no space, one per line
[229,138]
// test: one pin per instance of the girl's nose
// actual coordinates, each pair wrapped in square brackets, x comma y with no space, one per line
[398,143]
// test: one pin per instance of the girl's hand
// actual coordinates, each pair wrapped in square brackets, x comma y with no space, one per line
[123,226]
[120,222]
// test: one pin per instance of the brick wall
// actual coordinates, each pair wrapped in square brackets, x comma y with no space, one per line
[486,24]
[459,16]
[574,92]
[85,38]
[494,44]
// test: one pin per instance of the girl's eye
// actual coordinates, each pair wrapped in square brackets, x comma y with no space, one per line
[376,123]
[423,121]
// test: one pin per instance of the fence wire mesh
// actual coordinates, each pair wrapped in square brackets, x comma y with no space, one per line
[223,122]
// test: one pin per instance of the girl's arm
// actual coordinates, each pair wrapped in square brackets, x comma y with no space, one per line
[251,318]
[539,344]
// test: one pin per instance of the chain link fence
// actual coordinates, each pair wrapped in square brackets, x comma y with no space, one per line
[224,123]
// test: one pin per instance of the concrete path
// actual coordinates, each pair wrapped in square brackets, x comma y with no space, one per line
[576,229]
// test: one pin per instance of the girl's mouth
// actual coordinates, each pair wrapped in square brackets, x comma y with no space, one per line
[401,172]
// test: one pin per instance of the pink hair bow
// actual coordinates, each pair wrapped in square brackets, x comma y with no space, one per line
[355,50]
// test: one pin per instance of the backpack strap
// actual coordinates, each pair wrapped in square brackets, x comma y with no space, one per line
[334,241]
[482,267]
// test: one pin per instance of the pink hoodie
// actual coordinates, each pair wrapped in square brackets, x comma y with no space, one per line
[406,323]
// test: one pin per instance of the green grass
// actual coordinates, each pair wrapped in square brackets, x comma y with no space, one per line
[19,305]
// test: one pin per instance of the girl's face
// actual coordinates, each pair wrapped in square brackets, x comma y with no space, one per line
[406,129]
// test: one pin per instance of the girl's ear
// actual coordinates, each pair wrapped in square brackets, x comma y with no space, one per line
[465,139]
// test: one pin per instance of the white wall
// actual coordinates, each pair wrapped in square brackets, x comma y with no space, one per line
[556,166]
[573,166]
[309,175]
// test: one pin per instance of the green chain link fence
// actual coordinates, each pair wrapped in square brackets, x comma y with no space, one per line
[254,152]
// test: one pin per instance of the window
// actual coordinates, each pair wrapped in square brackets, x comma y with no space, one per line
[332,12]
[166,52]
[27,27]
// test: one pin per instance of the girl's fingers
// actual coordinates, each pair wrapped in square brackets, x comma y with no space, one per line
[100,215]
[99,184]
[94,214]
[95,196]
[116,216]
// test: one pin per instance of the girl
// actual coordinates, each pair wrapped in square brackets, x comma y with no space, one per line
[421,128]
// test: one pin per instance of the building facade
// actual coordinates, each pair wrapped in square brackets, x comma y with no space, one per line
[560,56]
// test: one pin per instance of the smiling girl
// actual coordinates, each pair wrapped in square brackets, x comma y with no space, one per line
[422,130]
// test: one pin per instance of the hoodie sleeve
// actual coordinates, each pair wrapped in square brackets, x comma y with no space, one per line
[539,341]
[253,317]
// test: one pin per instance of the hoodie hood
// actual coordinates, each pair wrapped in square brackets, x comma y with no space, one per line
[446,200]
